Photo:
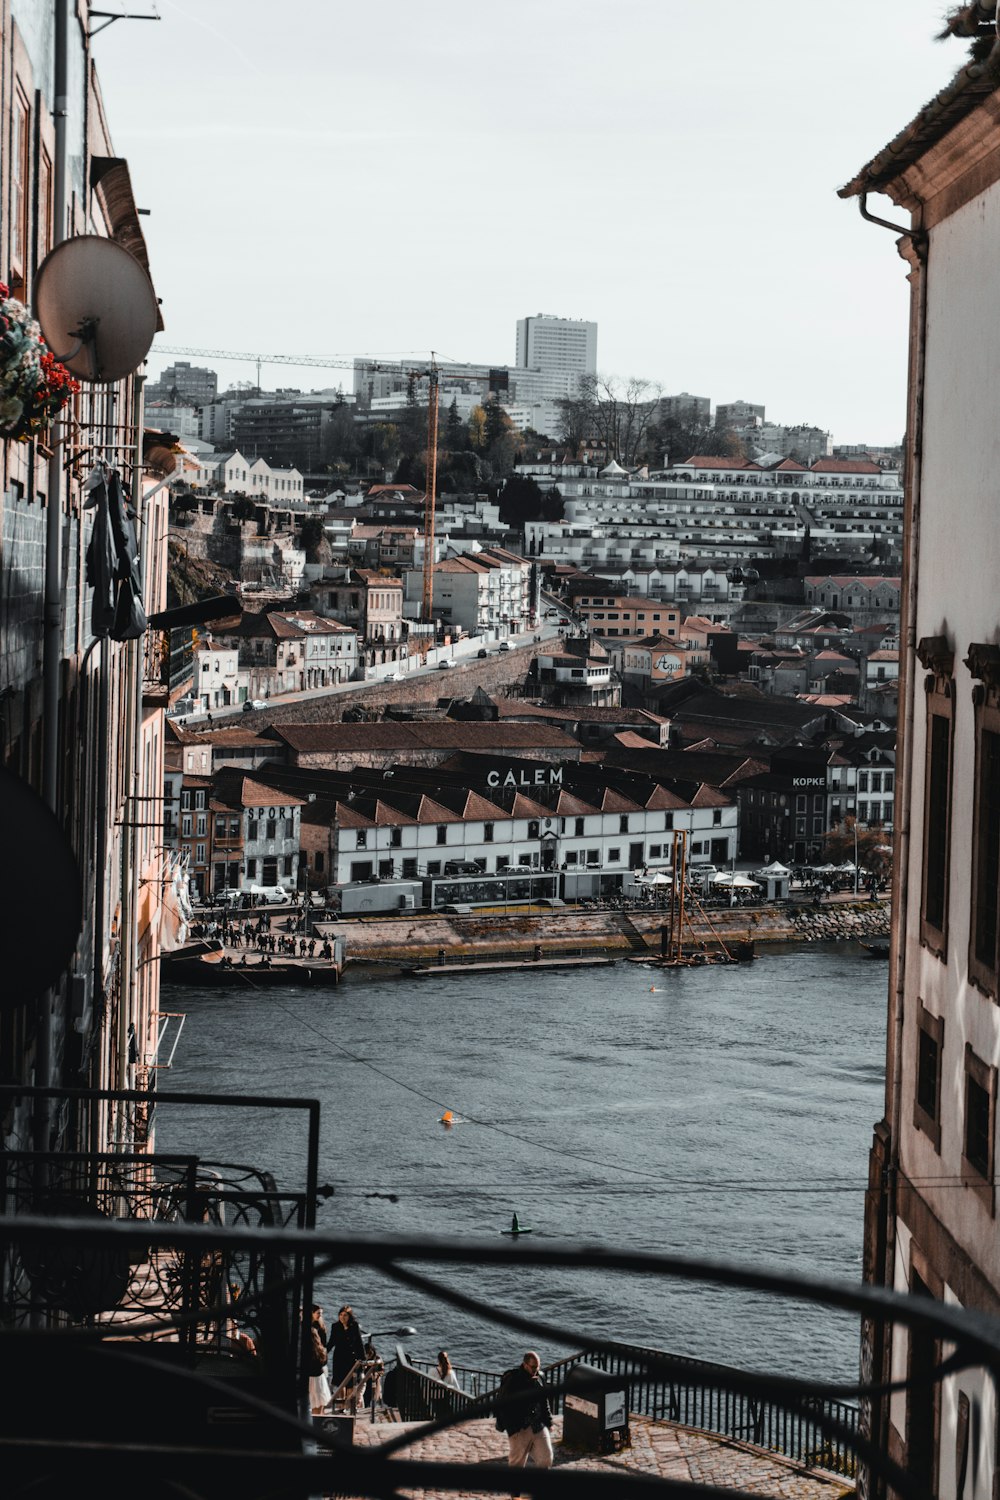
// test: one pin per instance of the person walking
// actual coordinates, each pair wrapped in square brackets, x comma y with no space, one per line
[523,1413]
[445,1372]
[319,1385]
[346,1347]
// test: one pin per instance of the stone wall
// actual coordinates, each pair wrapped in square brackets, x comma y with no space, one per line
[495,674]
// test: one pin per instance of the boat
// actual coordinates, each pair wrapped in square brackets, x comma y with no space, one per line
[205,962]
[680,945]
[876,947]
[513,1233]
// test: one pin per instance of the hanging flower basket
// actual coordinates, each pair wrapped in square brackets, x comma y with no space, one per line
[34,386]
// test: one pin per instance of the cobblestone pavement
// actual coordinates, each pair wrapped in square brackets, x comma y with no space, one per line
[658,1448]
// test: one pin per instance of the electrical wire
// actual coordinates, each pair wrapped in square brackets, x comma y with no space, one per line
[466,1118]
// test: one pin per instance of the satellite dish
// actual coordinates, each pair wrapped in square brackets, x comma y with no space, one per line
[96,307]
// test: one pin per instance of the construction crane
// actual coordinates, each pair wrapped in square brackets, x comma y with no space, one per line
[431,373]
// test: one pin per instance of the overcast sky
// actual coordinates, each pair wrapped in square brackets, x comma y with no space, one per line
[330,179]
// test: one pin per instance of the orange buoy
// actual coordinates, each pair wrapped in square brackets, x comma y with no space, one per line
[447,1118]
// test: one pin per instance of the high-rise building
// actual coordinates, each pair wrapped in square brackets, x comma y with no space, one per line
[565,344]
[185,384]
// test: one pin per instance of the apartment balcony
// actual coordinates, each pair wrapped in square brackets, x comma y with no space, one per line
[155,668]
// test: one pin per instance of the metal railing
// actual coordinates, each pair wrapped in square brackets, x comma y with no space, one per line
[698,1394]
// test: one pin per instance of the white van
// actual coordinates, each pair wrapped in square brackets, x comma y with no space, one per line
[276,895]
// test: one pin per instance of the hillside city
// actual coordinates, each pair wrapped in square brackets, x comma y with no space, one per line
[713,620]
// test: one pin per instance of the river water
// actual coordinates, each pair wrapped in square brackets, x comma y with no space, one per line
[722,1112]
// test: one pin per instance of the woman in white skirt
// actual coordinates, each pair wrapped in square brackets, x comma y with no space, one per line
[319,1385]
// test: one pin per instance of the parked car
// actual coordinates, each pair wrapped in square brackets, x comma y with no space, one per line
[252,703]
[444,665]
[505,645]
[482,651]
[393,677]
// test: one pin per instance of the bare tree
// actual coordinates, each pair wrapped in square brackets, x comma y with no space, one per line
[622,412]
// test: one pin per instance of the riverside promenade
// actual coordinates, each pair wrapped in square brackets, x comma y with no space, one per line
[659,1450]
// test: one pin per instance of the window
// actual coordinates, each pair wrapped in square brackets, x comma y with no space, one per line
[385,870]
[927,1101]
[984,662]
[623,823]
[614,856]
[395,838]
[578,828]
[572,857]
[319,862]
[361,839]
[977,1136]
[251,869]
[800,804]
[488,833]
[656,851]
[503,860]
[442,834]
[668,820]
[234,828]
[862,781]
[286,865]
[202,825]
[199,854]
[434,867]
[186,825]
[534,829]
[220,826]
[19,184]
[185,799]
[199,799]
[409,869]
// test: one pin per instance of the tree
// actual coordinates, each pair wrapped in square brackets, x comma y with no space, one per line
[576,420]
[553,508]
[184,500]
[477,429]
[456,434]
[340,436]
[873,845]
[244,509]
[675,440]
[311,536]
[619,413]
[520,501]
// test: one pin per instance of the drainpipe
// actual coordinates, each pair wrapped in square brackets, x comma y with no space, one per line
[52,635]
[140,811]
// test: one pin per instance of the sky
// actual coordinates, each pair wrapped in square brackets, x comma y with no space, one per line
[333,179]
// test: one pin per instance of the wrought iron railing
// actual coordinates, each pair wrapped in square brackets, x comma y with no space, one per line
[143,1390]
[703,1398]
[212,1300]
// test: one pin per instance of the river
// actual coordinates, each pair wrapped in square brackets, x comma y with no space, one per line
[723,1112]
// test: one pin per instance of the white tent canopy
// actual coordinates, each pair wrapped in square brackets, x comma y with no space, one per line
[775,870]
[738,882]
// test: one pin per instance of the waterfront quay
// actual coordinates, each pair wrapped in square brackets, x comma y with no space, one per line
[661,1450]
[527,936]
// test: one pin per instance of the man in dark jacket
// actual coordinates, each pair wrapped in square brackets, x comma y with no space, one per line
[523,1413]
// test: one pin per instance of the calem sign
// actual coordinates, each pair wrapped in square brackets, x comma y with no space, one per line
[540,776]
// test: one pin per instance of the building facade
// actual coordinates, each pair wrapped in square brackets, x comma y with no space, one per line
[931,1211]
[81,706]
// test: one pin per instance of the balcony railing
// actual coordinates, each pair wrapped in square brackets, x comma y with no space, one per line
[155,668]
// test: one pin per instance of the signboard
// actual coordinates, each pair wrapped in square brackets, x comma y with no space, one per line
[520,777]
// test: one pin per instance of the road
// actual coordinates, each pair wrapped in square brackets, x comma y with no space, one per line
[462,651]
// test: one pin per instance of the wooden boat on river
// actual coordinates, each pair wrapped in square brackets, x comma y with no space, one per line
[206,962]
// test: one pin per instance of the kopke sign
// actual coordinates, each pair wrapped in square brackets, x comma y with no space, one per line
[540,776]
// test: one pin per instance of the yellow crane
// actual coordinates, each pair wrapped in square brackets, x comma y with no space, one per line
[431,373]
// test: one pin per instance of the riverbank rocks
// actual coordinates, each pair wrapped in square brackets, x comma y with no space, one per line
[830,924]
